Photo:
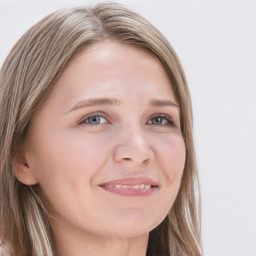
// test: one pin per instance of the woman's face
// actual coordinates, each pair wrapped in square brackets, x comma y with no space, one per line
[106,145]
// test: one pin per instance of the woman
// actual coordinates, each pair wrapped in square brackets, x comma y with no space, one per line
[97,153]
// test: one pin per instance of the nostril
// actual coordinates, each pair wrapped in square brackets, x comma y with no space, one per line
[130,154]
[127,158]
[146,161]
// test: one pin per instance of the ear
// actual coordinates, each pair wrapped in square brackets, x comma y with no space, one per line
[22,170]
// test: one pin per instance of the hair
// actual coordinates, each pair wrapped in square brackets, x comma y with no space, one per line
[26,77]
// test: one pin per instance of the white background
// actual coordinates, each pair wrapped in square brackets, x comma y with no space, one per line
[215,40]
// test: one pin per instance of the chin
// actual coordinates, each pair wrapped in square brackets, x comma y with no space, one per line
[133,222]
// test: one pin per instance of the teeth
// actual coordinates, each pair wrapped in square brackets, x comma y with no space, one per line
[141,186]
[136,187]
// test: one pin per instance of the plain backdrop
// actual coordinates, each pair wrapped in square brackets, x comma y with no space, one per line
[215,40]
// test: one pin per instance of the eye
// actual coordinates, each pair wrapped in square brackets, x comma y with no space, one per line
[94,119]
[162,120]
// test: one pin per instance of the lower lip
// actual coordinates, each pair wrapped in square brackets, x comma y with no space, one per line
[130,191]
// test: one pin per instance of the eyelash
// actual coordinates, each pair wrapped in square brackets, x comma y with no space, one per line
[83,121]
[169,120]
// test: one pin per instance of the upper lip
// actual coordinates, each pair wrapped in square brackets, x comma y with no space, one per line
[132,181]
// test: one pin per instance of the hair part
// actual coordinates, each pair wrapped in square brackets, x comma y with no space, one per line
[27,76]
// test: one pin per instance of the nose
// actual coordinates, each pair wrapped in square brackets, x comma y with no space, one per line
[134,149]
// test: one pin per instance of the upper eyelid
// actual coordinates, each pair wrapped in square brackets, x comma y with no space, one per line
[163,115]
[160,114]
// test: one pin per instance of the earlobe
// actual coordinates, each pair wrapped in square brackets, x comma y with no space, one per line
[23,171]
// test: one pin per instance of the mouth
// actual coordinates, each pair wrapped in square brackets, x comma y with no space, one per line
[141,186]
[121,186]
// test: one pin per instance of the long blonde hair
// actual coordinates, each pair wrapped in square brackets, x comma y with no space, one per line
[27,75]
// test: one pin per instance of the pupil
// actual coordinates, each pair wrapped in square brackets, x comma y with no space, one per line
[94,119]
[157,120]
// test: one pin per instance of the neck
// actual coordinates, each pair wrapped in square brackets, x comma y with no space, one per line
[94,245]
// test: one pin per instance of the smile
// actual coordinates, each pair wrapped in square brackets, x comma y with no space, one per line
[131,186]
[141,186]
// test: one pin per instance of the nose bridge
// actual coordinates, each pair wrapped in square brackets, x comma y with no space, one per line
[133,145]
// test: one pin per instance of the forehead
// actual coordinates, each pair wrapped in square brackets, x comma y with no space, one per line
[107,68]
[111,52]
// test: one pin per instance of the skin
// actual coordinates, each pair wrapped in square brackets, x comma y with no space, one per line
[70,154]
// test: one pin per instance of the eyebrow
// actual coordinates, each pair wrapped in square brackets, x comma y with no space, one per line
[113,101]
[163,103]
[94,102]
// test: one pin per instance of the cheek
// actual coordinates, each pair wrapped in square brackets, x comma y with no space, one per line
[66,165]
[174,150]
[172,154]
[68,159]
[170,157]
